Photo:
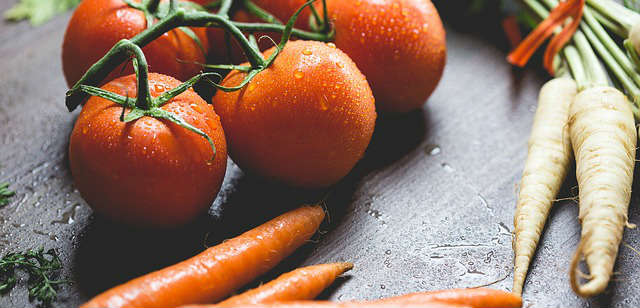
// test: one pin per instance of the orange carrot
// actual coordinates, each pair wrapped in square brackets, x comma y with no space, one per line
[512,30]
[300,284]
[475,297]
[566,9]
[327,304]
[219,270]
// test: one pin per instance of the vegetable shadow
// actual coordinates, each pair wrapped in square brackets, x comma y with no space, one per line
[109,253]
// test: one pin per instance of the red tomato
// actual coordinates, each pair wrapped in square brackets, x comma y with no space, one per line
[97,25]
[306,120]
[398,44]
[148,172]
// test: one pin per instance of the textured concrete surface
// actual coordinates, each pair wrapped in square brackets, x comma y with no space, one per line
[429,207]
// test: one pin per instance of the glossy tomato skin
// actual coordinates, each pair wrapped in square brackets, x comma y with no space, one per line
[148,172]
[399,45]
[304,121]
[97,25]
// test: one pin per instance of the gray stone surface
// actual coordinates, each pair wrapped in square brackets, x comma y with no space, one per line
[429,207]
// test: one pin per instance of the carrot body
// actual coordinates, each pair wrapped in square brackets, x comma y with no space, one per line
[546,167]
[300,284]
[604,137]
[476,297]
[327,304]
[219,270]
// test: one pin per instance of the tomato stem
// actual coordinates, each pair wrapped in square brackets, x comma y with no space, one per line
[225,6]
[257,11]
[152,5]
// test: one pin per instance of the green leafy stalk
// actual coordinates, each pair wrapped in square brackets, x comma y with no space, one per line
[43,269]
[5,194]
[38,11]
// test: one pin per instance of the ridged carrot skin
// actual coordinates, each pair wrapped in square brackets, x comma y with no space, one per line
[603,135]
[548,159]
[475,297]
[301,284]
[219,270]
[327,304]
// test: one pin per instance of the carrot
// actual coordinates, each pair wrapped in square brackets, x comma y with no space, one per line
[545,169]
[603,137]
[219,270]
[328,304]
[300,284]
[566,9]
[473,297]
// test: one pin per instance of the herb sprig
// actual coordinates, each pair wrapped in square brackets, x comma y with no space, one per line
[43,269]
[39,11]
[5,194]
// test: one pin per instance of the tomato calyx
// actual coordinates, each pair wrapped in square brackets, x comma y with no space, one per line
[144,104]
[178,16]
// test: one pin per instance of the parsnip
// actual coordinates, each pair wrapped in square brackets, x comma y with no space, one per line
[545,169]
[603,137]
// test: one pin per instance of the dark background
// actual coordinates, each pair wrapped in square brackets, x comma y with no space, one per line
[429,207]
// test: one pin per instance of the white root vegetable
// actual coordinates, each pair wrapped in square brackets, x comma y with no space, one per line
[634,37]
[603,137]
[547,162]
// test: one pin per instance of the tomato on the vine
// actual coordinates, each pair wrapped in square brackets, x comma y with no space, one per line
[398,44]
[147,172]
[305,120]
[97,25]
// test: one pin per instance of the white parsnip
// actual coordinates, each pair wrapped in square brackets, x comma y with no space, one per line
[546,166]
[603,137]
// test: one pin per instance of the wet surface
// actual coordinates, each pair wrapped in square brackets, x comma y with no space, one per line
[429,207]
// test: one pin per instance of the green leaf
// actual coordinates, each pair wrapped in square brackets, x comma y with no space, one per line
[43,269]
[632,5]
[38,11]
[5,194]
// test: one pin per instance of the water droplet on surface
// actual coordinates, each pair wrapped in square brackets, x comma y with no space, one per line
[432,149]
[298,74]
[383,286]
[307,52]
[68,217]
[331,45]
[388,251]
[447,167]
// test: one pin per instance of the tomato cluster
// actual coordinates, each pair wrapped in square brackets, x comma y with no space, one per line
[305,120]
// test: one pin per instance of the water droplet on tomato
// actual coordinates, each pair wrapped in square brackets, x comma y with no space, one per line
[307,52]
[298,74]
[323,103]
[331,45]
[158,88]
[196,107]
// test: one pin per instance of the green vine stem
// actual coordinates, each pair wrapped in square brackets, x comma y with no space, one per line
[180,18]
[257,11]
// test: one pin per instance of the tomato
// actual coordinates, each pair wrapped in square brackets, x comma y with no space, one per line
[97,25]
[305,121]
[147,172]
[398,44]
